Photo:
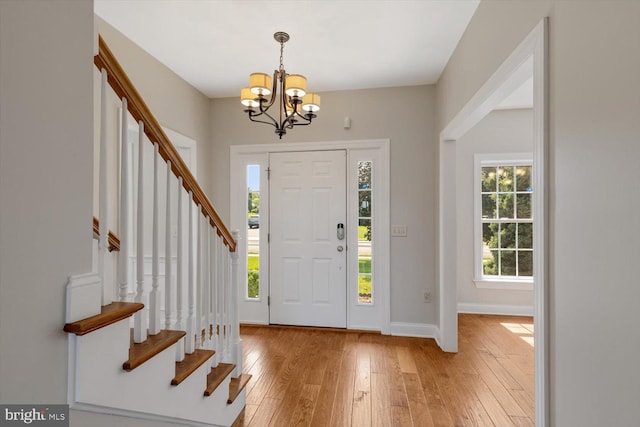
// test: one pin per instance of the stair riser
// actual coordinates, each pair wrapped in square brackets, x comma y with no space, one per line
[103,383]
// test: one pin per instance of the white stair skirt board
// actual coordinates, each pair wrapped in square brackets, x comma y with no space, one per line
[419,330]
[499,309]
[84,296]
[101,385]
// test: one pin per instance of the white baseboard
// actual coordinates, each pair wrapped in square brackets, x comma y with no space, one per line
[246,322]
[84,297]
[105,410]
[419,330]
[499,309]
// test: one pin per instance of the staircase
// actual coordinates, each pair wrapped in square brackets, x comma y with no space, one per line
[162,344]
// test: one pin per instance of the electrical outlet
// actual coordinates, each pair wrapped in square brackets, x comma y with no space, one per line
[427,296]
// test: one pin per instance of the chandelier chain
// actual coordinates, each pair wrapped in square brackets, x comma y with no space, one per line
[281,55]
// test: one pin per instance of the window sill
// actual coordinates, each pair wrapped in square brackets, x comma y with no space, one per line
[509,284]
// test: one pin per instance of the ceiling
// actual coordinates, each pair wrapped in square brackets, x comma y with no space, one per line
[338,45]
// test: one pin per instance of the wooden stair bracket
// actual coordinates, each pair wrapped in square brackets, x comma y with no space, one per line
[216,376]
[109,314]
[141,352]
[190,363]
[236,386]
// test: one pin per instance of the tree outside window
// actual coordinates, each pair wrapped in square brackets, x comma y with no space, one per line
[506,218]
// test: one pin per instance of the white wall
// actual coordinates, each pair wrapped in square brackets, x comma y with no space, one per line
[594,197]
[502,131]
[46,151]
[176,104]
[404,115]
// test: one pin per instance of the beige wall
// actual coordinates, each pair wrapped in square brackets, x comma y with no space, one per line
[176,104]
[405,116]
[502,131]
[594,197]
[46,130]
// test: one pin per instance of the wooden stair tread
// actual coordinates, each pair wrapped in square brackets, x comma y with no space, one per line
[237,385]
[109,314]
[216,376]
[190,363]
[141,352]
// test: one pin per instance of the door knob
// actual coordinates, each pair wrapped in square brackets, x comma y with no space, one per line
[340,248]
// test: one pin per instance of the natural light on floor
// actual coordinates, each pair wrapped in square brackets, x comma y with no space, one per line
[523,330]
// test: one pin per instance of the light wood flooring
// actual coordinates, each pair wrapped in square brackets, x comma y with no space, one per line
[315,377]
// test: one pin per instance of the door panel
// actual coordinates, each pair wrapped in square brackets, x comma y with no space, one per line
[308,273]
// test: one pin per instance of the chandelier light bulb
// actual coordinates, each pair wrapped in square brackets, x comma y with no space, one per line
[260,84]
[248,98]
[296,85]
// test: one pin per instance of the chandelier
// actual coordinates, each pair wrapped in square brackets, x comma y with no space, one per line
[295,107]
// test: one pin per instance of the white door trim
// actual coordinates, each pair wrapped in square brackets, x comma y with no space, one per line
[382,321]
[506,76]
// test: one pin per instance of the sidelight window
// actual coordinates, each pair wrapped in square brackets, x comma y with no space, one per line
[365,240]
[253,232]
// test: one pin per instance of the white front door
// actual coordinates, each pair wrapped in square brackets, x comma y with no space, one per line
[307,257]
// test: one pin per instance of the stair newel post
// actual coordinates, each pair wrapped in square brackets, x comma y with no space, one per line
[236,342]
[140,318]
[214,296]
[190,338]
[103,196]
[179,281]
[167,253]
[123,256]
[154,297]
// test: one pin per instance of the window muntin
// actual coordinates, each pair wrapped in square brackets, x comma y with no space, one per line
[253,232]
[365,241]
[506,219]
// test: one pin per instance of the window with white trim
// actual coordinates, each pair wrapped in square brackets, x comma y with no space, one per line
[503,218]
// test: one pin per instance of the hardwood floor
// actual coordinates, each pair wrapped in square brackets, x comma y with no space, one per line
[315,377]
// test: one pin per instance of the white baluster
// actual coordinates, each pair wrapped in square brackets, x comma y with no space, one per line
[103,198]
[206,282]
[199,282]
[155,296]
[123,256]
[227,304]
[214,296]
[140,318]
[190,338]
[179,317]
[167,254]
[220,263]
[236,342]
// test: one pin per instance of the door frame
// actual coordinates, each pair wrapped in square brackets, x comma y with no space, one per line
[506,78]
[376,316]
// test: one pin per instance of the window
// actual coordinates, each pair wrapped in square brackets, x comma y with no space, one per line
[365,243]
[253,234]
[504,221]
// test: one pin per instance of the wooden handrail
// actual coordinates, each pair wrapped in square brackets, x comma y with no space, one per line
[123,87]
[114,240]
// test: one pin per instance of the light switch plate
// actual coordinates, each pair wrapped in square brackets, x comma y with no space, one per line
[398,231]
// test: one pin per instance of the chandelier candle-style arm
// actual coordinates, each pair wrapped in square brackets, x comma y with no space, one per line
[296,106]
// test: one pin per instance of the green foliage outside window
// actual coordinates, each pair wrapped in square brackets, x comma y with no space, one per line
[253,276]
